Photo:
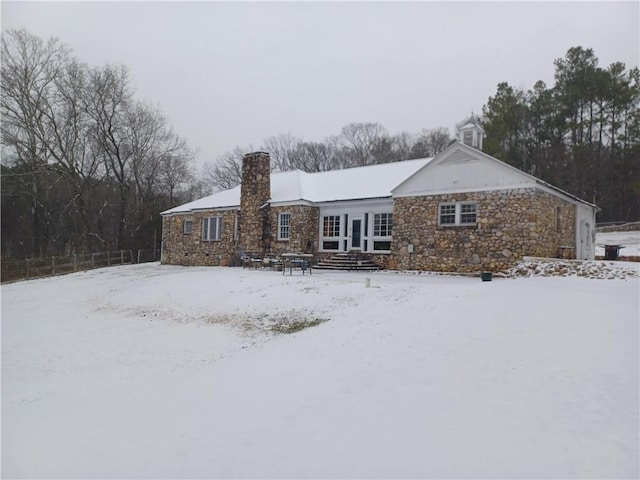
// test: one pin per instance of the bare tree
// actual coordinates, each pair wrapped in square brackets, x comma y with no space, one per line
[175,169]
[359,141]
[312,157]
[430,143]
[81,160]
[29,70]
[108,98]
[402,145]
[280,149]
[226,172]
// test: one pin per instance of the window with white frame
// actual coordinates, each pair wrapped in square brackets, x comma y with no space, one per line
[457,214]
[382,226]
[211,228]
[284,220]
[331,232]
[187,227]
[331,226]
[382,223]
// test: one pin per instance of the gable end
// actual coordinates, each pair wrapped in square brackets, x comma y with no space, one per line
[457,157]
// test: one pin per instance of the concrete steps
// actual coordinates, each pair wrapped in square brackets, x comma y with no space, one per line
[348,262]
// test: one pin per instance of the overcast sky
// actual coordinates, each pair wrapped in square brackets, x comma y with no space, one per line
[231,74]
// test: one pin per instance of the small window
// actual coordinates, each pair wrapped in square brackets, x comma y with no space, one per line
[283,226]
[447,214]
[330,245]
[456,214]
[187,227]
[467,213]
[382,223]
[382,246]
[211,228]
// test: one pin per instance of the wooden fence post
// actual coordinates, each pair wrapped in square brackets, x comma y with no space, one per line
[139,255]
[53,265]
[131,256]
[93,262]
[121,257]
[27,268]
[75,262]
[108,259]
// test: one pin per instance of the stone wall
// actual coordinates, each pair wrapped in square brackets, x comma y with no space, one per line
[510,224]
[179,248]
[303,229]
[255,232]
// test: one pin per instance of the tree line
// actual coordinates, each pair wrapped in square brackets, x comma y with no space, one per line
[581,134]
[87,167]
[357,145]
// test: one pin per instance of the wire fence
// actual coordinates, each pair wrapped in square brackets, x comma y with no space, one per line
[12,270]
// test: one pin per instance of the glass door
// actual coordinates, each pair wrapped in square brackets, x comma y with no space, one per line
[355,234]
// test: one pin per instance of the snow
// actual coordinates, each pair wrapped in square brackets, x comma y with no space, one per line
[629,240]
[154,371]
[373,181]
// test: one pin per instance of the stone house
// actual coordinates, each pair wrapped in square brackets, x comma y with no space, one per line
[461,211]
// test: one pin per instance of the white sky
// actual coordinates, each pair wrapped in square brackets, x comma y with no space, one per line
[234,73]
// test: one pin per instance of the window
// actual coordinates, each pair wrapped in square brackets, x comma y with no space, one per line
[334,245]
[283,226]
[447,214]
[382,223]
[455,214]
[556,219]
[467,213]
[211,228]
[331,226]
[382,246]
[187,227]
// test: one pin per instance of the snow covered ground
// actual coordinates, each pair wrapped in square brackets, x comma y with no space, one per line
[630,241]
[151,371]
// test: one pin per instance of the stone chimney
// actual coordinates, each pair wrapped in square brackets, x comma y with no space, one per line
[255,193]
[472,134]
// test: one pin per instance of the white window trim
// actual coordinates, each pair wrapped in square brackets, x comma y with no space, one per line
[340,237]
[206,230]
[340,227]
[379,238]
[184,226]
[458,215]
[280,237]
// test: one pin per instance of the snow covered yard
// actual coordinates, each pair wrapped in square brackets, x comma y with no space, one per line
[151,371]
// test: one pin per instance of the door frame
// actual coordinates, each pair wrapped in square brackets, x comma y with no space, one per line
[352,219]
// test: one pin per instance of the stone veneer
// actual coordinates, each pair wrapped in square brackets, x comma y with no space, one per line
[179,248]
[510,224]
[256,226]
[303,229]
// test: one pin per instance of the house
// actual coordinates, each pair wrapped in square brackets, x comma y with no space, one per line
[462,211]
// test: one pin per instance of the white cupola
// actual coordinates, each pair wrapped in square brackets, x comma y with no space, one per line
[472,134]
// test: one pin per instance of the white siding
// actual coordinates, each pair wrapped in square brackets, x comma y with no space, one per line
[462,170]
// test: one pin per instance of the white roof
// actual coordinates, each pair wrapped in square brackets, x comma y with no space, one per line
[373,181]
